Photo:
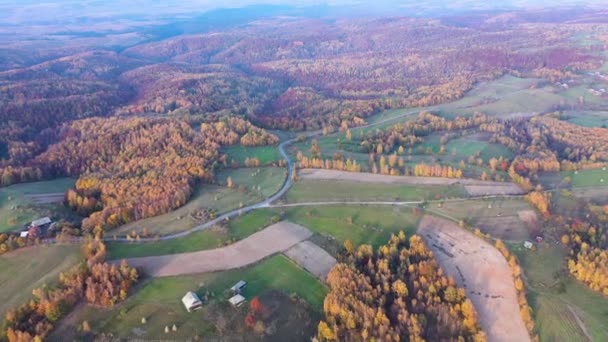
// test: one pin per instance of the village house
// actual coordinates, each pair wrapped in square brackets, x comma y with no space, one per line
[238,287]
[236,300]
[192,301]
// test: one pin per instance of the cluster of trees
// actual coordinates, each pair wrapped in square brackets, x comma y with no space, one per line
[410,133]
[524,308]
[98,282]
[396,293]
[11,241]
[541,200]
[588,243]
[232,130]
[341,164]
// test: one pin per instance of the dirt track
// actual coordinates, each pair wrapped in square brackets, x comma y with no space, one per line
[276,238]
[472,186]
[479,268]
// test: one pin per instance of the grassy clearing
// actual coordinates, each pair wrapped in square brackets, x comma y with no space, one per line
[587,178]
[237,229]
[359,224]
[159,300]
[16,209]
[555,297]
[266,154]
[23,270]
[320,190]
[251,186]
[588,118]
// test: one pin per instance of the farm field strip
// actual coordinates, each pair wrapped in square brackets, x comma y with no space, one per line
[276,238]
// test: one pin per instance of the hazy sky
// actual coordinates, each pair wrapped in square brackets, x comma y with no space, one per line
[22,11]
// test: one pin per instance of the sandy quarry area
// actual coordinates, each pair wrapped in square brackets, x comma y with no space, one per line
[276,238]
[473,187]
[479,268]
[312,258]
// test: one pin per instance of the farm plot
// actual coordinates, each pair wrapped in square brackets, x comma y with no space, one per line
[507,219]
[476,187]
[312,258]
[483,272]
[306,190]
[276,238]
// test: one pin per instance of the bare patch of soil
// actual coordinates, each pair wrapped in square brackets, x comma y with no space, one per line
[484,273]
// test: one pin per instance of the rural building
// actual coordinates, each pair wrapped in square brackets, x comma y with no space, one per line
[192,301]
[237,300]
[528,244]
[24,234]
[41,222]
[238,286]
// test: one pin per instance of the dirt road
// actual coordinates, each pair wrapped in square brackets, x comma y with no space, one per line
[276,238]
[479,268]
[473,186]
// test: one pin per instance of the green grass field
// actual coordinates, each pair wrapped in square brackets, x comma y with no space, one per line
[587,178]
[159,300]
[370,224]
[320,190]
[23,270]
[556,298]
[16,209]
[266,154]
[251,186]
[588,118]
[237,229]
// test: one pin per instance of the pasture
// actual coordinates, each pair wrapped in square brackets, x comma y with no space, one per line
[22,203]
[159,301]
[251,185]
[558,301]
[361,224]
[266,154]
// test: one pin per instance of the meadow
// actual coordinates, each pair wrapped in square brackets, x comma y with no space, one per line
[26,269]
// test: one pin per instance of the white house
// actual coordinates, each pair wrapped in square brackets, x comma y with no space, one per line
[192,301]
[237,300]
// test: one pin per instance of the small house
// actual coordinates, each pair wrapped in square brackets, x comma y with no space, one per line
[528,244]
[192,301]
[238,287]
[24,234]
[236,300]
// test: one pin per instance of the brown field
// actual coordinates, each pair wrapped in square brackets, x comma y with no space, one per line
[484,273]
[506,228]
[56,197]
[312,258]
[473,186]
[276,238]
